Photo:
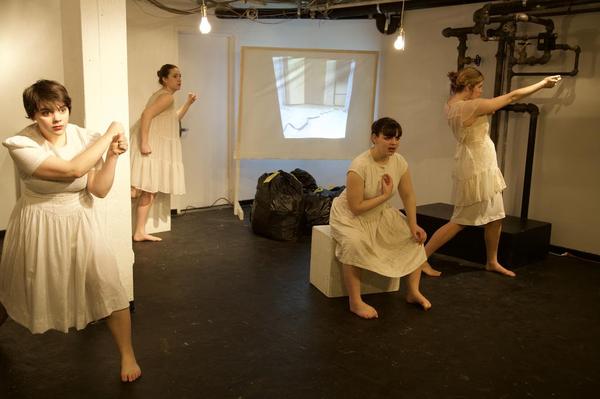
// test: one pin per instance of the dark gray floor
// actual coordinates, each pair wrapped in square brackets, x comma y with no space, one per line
[221,313]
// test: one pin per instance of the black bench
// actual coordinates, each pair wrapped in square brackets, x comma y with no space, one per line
[522,241]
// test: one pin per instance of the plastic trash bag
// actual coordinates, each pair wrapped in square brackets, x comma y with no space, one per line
[277,210]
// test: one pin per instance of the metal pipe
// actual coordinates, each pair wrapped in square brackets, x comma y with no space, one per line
[367,9]
[533,111]
[498,79]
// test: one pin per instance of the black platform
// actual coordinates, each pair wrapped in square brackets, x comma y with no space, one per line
[521,242]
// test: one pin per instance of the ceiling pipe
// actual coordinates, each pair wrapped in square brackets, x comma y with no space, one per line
[369,9]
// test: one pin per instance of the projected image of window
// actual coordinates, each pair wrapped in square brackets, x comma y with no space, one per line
[314,96]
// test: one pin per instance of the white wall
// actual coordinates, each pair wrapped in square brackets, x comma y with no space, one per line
[26,55]
[566,177]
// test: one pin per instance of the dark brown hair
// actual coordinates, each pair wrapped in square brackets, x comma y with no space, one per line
[163,72]
[386,126]
[465,78]
[44,92]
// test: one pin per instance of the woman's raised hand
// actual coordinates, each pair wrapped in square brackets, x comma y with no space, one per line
[191,97]
[387,185]
[551,81]
[119,144]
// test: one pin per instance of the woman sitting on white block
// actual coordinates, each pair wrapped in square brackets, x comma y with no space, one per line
[370,233]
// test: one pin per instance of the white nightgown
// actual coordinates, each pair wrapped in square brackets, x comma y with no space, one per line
[57,270]
[161,170]
[477,180]
[378,240]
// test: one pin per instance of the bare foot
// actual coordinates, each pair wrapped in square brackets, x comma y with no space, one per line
[3,314]
[130,371]
[363,310]
[146,237]
[430,271]
[418,299]
[498,268]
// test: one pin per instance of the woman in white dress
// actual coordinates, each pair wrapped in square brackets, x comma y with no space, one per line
[156,162]
[477,180]
[57,270]
[370,233]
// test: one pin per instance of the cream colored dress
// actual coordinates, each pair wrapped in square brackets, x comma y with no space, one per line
[57,269]
[162,170]
[478,182]
[378,240]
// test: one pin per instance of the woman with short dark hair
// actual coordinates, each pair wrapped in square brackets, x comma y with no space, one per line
[57,270]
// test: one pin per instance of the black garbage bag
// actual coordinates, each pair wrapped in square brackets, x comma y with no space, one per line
[277,208]
[308,181]
[317,206]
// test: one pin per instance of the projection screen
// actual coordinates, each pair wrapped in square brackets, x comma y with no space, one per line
[305,104]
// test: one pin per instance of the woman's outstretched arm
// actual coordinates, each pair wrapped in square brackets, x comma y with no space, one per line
[488,106]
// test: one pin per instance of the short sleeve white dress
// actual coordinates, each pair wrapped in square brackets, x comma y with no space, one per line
[477,180]
[378,240]
[57,270]
[162,170]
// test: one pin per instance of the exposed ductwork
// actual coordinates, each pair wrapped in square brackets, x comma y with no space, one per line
[386,13]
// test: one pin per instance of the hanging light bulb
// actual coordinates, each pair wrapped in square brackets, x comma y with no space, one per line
[204,24]
[400,40]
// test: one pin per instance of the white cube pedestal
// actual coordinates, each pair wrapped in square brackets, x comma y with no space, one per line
[326,270]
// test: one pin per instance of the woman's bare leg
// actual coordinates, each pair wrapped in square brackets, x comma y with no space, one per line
[141,216]
[439,238]
[134,192]
[352,282]
[119,323]
[413,294]
[492,239]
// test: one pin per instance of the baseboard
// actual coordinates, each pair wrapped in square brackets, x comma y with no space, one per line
[563,251]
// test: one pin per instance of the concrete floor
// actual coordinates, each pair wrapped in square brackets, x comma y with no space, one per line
[222,313]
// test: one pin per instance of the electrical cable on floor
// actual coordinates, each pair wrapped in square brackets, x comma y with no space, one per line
[196,208]
[570,255]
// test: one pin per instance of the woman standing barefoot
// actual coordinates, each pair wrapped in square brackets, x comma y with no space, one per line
[478,182]
[57,270]
[156,161]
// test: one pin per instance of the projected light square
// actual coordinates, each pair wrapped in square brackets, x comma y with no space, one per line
[314,96]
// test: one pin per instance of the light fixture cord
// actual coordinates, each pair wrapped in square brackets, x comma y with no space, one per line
[402,16]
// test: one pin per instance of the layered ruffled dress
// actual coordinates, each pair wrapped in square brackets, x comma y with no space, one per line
[378,240]
[57,270]
[162,170]
[477,180]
